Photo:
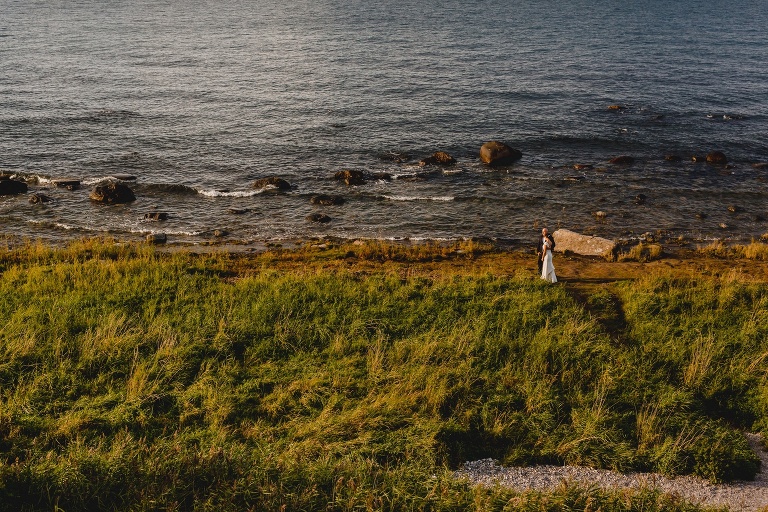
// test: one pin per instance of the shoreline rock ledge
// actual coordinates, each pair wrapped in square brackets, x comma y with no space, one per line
[584,245]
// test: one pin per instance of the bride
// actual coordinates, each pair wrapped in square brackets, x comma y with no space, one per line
[547,269]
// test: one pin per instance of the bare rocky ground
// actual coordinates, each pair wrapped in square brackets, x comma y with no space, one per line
[737,496]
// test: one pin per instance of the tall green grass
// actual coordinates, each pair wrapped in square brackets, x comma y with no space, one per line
[131,380]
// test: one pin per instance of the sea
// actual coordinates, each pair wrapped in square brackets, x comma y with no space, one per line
[190,102]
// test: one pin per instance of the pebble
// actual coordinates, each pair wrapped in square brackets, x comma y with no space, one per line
[746,496]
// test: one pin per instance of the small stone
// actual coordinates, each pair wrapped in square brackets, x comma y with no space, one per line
[219,233]
[640,198]
[600,215]
[616,107]
[38,198]
[698,158]
[734,209]
[701,216]
[318,217]
[723,225]
[717,157]
[156,216]
[582,167]
[157,238]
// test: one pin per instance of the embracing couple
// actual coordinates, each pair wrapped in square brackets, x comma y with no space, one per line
[544,247]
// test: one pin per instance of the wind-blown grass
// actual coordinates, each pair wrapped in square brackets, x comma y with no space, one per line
[131,380]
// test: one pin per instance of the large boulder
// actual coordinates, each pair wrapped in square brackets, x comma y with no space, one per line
[438,158]
[272,183]
[112,193]
[497,153]
[350,177]
[9,187]
[585,245]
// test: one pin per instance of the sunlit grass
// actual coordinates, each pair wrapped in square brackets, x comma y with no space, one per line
[131,379]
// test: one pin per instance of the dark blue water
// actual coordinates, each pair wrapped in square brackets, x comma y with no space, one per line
[200,99]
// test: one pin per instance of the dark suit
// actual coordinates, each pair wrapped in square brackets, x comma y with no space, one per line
[539,243]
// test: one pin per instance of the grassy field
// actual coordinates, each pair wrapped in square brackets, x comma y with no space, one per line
[358,377]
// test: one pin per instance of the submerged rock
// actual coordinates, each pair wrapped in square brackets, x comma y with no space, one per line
[272,183]
[9,187]
[582,167]
[622,160]
[496,153]
[438,158]
[383,176]
[585,245]
[394,156]
[325,200]
[672,158]
[67,184]
[318,217]
[156,216]
[112,193]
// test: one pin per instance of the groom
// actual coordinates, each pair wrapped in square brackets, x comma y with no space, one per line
[544,234]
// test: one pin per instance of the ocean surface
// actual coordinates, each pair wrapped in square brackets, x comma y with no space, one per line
[199,99]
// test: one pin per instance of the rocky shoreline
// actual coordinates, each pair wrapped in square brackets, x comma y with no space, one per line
[742,496]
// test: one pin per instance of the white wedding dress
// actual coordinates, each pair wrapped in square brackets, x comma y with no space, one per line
[547,269]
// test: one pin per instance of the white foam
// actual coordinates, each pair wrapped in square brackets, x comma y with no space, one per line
[420,198]
[235,193]
[164,232]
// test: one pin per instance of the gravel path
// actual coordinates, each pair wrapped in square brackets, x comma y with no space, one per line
[741,496]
